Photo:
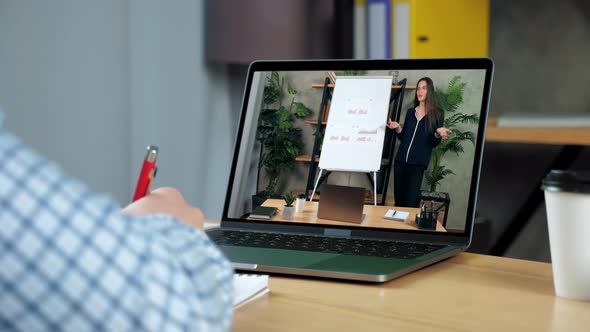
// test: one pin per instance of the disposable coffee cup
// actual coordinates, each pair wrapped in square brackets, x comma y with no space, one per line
[567,197]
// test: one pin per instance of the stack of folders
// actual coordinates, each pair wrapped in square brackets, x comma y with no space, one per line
[248,287]
[263,212]
[396,215]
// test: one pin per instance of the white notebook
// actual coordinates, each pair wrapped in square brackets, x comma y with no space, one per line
[208,224]
[248,287]
[396,215]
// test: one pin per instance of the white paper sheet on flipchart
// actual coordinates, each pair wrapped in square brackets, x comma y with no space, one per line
[353,140]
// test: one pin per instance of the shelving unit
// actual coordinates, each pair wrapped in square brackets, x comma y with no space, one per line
[558,136]
[321,122]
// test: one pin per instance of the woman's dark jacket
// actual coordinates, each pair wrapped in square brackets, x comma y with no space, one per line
[417,139]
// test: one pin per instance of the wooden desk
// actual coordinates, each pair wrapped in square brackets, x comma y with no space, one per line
[373,216]
[465,293]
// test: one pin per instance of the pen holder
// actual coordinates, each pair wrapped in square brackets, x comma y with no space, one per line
[427,220]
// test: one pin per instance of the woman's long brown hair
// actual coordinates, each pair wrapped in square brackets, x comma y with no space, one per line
[432,108]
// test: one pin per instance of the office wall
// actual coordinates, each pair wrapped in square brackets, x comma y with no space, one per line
[64,85]
[179,103]
[88,80]
[541,52]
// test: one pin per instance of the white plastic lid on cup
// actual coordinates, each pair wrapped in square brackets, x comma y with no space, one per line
[567,181]
[567,197]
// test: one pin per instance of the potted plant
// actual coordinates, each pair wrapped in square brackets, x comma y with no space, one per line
[280,139]
[450,102]
[288,209]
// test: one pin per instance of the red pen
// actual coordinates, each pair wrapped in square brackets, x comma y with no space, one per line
[147,173]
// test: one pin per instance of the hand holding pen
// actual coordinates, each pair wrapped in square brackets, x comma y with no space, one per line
[147,173]
[166,200]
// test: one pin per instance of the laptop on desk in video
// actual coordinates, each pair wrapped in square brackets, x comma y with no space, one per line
[377,249]
[342,203]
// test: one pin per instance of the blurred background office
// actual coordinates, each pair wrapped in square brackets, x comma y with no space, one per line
[91,83]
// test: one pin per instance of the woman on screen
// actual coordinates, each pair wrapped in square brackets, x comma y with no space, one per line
[422,131]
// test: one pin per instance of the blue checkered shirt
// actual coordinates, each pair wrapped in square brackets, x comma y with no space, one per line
[70,260]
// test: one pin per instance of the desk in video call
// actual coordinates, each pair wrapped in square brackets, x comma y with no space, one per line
[373,216]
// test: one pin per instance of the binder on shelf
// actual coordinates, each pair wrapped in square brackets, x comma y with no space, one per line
[400,29]
[379,29]
[359,42]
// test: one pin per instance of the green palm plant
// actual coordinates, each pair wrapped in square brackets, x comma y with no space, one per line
[281,140]
[450,101]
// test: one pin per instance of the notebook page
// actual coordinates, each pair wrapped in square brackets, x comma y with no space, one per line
[248,287]
[208,224]
[396,215]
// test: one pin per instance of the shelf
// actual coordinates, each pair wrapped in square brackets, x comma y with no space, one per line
[314,122]
[567,136]
[321,85]
[306,158]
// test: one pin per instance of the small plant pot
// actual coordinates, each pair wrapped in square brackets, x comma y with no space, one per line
[288,212]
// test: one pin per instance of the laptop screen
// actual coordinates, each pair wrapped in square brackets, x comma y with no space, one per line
[409,132]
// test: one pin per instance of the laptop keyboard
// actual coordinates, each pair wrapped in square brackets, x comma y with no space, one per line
[345,246]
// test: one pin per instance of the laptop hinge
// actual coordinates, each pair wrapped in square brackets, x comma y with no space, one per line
[337,232]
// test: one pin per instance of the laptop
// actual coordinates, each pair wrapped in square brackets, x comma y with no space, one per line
[378,249]
[341,203]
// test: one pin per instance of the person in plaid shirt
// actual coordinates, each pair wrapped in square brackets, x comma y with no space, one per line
[74,260]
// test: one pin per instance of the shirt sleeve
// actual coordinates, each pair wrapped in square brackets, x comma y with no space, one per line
[72,261]
[434,138]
